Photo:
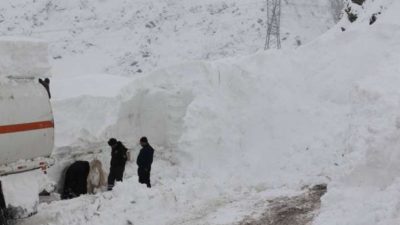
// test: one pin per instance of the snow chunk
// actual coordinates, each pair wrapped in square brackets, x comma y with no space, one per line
[23,58]
[21,192]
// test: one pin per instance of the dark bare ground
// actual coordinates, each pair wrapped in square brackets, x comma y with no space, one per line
[298,210]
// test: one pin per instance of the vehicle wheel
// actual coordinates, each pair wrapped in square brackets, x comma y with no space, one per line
[3,217]
[3,209]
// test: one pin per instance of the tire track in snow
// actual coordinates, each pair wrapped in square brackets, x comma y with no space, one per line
[297,210]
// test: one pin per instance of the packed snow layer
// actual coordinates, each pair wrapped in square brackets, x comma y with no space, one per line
[23,58]
[129,37]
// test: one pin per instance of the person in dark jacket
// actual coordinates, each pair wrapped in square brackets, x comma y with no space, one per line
[144,161]
[118,160]
[76,180]
[46,85]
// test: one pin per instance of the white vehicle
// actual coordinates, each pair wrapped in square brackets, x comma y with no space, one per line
[26,126]
[26,118]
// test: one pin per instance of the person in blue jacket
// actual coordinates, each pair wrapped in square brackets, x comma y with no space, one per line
[144,161]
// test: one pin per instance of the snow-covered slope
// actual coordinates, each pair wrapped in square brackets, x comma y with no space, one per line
[129,37]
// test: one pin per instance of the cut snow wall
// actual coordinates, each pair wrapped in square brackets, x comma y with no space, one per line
[156,105]
[156,114]
[83,118]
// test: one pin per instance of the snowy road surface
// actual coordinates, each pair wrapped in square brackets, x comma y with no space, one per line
[297,210]
[258,208]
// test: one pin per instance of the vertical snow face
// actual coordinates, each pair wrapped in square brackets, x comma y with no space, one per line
[156,114]
[156,106]
[132,37]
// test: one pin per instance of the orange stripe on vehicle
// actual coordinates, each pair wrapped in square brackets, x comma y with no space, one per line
[14,128]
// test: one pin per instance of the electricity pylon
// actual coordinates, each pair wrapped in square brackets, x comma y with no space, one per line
[273,38]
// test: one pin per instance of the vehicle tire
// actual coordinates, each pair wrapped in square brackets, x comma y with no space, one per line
[3,209]
[3,217]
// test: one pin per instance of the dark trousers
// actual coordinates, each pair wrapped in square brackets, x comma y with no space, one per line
[116,174]
[144,176]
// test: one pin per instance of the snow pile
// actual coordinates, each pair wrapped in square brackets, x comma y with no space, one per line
[21,192]
[23,57]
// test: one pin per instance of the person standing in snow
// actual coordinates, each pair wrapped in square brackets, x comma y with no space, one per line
[118,160]
[46,85]
[144,161]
